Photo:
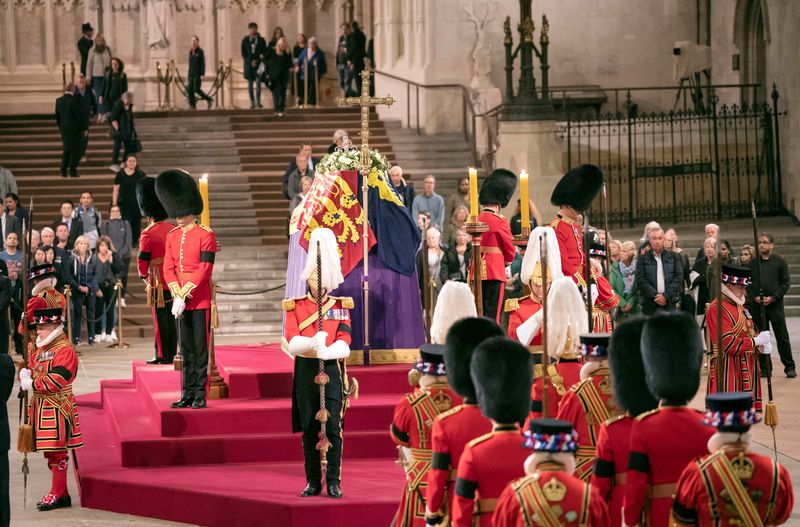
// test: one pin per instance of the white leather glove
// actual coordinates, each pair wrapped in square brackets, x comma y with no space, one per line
[178,305]
[25,380]
[318,341]
[528,329]
[299,345]
[766,349]
[762,339]
[594,292]
[337,350]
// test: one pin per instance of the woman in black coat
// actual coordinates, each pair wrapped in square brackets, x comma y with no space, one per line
[455,264]
[279,66]
[115,84]
[124,130]
[254,52]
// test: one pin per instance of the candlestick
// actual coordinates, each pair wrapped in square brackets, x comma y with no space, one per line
[473,194]
[524,201]
[205,216]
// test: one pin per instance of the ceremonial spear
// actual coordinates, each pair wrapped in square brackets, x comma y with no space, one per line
[587,272]
[322,378]
[545,289]
[771,410]
[25,434]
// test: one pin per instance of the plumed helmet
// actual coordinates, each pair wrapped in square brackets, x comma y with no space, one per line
[502,372]
[532,261]
[455,301]
[627,368]
[178,193]
[463,337]
[578,187]
[331,264]
[149,205]
[498,188]
[672,350]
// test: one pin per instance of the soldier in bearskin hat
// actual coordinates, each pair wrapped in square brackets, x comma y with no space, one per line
[732,485]
[735,368]
[150,262]
[604,299]
[501,371]
[634,398]
[452,430]
[53,414]
[314,348]
[549,494]
[573,195]
[672,352]
[589,403]
[497,244]
[188,263]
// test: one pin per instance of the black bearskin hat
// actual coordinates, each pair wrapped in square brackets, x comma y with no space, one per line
[178,193]
[462,338]
[149,205]
[672,351]
[498,188]
[578,187]
[627,368]
[502,372]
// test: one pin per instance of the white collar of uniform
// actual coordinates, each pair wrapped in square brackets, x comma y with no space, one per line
[50,338]
[727,292]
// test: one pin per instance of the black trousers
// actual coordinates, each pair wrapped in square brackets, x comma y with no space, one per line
[70,157]
[4,344]
[279,95]
[80,299]
[126,264]
[84,146]
[165,329]
[776,319]
[194,331]
[119,142]
[492,291]
[16,316]
[131,214]
[5,501]
[107,303]
[307,396]
[194,88]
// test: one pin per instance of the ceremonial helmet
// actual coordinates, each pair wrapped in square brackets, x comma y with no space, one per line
[149,205]
[551,435]
[323,244]
[502,373]
[566,318]
[531,271]
[178,193]
[578,187]
[735,275]
[672,352]
[45,270]
[731,411]
[627,368]
[455,301]
[462,339]
[49,315]
[498,188]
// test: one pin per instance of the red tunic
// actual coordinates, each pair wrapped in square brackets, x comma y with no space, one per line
[736,369]
[563,376]
[52,411]
[587,405]
[152,248]
[570,244]
[607,300]
[188,263]
[570,503]
[701,491]
[497,246]
[412,427]
[301,318]
[519,312]
[487,465]
[452,430]
[611,464]
[663,442]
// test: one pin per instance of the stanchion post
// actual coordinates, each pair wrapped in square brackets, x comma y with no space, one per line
[305,84]
[72,72]
[120,343]
[476,229]
[158,84]
[174,79]
[230,84]
[63,76]
[316,85]
[68,296]
[217,388]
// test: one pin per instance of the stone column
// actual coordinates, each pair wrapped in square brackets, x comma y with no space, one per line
[11,37]
[50,38]
[407,58]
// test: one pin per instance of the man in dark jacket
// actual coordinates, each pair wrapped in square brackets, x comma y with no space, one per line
[88,104]
[73,125]
[658,276]
[254,52]
[124,130]
[197,69]
[72,221]
[356,50]
[7,372]
[404,188]
[85,43]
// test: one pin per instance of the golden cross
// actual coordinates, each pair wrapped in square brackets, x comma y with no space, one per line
[365,101]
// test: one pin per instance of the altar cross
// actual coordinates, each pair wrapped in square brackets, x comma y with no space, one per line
[365,102]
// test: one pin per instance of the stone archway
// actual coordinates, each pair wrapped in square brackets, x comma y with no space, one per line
[751,36]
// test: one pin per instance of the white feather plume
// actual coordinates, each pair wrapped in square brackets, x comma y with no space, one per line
[566,316]
[331,263]
[455,302]
[533,254]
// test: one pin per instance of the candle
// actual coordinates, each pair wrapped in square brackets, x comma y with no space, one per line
[205,216]
[524,202]
[473,194]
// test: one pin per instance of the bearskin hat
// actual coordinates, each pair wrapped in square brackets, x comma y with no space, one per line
[463,337]
[502,372]
[498,188]
[578,187]
[627,368]
[178,193]
[672,351]
[149,205]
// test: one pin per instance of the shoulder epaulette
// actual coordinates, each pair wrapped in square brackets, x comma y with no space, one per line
[173,229]
[450,412]
[480,439]
[615,419]
[346,301]
[205,228]
[645,415]
[512,304]
[148,227]
[288,304]
[415,397]
[555,222]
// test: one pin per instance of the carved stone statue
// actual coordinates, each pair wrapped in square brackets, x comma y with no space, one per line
[482,52]
[159,18]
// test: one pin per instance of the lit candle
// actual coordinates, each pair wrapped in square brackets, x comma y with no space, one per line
[524,203]
[205,216]
[473,194]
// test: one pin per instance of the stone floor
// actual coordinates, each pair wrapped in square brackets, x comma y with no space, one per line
[102,363]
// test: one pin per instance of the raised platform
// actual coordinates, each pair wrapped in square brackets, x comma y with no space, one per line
[236,462]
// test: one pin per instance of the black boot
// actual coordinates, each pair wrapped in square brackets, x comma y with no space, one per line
[335,490]
[199,403]
[312,489]
[185,402]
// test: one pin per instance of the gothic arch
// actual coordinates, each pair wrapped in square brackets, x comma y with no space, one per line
[751,34]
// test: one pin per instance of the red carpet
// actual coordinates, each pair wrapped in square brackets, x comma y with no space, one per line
[236,462]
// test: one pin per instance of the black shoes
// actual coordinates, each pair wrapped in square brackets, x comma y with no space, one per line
[184,402]
[156,360]
[335,490]
[791,374]
[50,502]
[199,403]
[311,490]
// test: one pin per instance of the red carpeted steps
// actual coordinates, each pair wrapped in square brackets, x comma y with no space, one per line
[209,466]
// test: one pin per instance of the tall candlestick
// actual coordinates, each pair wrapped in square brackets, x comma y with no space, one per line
[473,194]
[524,201]
[205,216]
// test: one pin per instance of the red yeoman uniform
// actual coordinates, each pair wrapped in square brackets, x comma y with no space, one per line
[606,300]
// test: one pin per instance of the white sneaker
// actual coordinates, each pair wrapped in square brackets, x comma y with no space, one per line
[113,336]
[115,168]
[101,337]
[124,304]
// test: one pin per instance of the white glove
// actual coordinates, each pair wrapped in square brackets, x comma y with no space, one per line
[766,349]
[528,329]
[25,380]
[508,271]
[762,339]
[299,345]
[337,350]
[178,305]
[594,293]
[318,341]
